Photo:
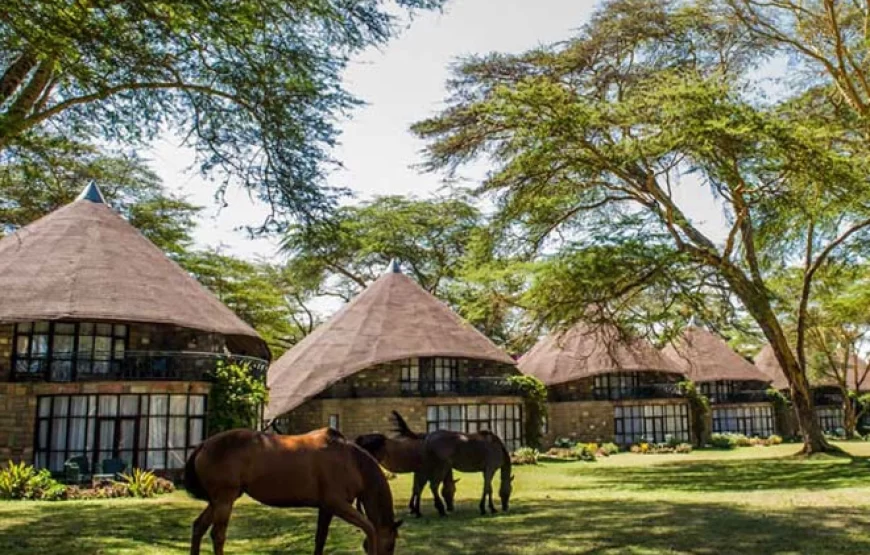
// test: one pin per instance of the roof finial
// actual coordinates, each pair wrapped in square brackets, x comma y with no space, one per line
[92,193]
[394,267]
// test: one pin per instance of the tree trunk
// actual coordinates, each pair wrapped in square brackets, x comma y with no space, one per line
[850,418]
[811,432]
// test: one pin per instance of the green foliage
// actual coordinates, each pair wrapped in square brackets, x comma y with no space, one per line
[586,452]
[525,455]
[594,143]
[534,394]
[778,398]
[236,398]
[254,87]
[22,481]
[699,407]
[608,449]
[49,171]
[144,483]
[723,441]
[774,440]
[264,296]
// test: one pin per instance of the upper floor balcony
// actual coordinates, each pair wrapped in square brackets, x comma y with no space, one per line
[133,366]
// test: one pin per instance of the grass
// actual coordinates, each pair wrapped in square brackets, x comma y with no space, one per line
[753,500]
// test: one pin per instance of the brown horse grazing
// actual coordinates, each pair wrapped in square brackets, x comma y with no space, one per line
[320,469]
[403,455]
[479,452]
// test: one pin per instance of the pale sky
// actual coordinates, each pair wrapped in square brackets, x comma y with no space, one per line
[401,84]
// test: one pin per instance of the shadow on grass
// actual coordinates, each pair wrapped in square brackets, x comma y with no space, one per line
[736,475]
[532,527]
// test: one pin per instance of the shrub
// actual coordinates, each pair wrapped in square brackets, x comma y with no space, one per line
[525,455]
[757,441]
[22,481]
[774,440]
[683,448]
[742,440]
[585,451]
[723,441]
[608,449]
[141,483]
[564,443]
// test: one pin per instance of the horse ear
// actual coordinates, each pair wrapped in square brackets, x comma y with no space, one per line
[397,524]
[512,478]
[456,481]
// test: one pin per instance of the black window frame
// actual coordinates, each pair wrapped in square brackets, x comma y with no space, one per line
[830,417]
[654,426]
[141,452]
[54,367]
[470,418]
[751,420]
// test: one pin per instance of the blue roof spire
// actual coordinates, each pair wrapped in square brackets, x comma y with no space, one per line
[394,267]
[92,193]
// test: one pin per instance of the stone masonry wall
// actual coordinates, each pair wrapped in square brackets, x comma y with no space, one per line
[6,338]
[18,407]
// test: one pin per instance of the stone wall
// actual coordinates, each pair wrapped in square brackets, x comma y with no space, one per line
[18,407]
[373,415]
[6,338]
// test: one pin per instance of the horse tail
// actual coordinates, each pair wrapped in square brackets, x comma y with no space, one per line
[403,429]
[192,483]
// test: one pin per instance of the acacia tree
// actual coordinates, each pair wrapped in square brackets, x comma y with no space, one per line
[591,143]
[48,172]
[253,85]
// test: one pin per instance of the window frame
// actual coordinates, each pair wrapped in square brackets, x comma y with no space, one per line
[469,418]
[749,420]
[653,421]
[47,364]
[95,417]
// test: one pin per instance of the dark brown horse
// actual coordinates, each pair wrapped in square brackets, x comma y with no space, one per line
[320,469]
[404,454]
[483,451]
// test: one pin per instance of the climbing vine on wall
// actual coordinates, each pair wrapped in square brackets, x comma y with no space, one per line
[534,394]
[699,407]
[236,398]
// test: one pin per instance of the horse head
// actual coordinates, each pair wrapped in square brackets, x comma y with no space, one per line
[504,492]
[387,536]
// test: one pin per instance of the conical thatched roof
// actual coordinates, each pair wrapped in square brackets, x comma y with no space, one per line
[705,357]
[583,351]
[85,262]
[766,361]
[393,319]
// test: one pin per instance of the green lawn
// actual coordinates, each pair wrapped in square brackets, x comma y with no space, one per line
[751,500]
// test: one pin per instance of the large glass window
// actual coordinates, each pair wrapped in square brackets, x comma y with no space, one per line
[60,351]
[429,375]
[650,423]
[410,378]
[146,431]
[504,420]
[749,421]
[830,418]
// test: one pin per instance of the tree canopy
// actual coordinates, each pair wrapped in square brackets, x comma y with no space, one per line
[594,144]
[253,86]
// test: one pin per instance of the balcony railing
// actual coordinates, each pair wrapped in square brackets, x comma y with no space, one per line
[747,396]
[645,391]
[425,388]
[134,366]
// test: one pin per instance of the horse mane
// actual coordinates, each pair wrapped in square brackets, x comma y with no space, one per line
[377,499]
[403,429]
[371,442]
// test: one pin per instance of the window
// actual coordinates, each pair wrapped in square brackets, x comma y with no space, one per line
[718,391]
[334,422]
[615,386]
[60,351]
[504,420]
[830,418]
[410,379]
[146,431]
[445,373]
[651,423]
[749,421]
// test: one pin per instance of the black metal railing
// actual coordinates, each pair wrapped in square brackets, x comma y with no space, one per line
[828,398]
[470,387]
[135,366]
[645,391]
[746,396]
